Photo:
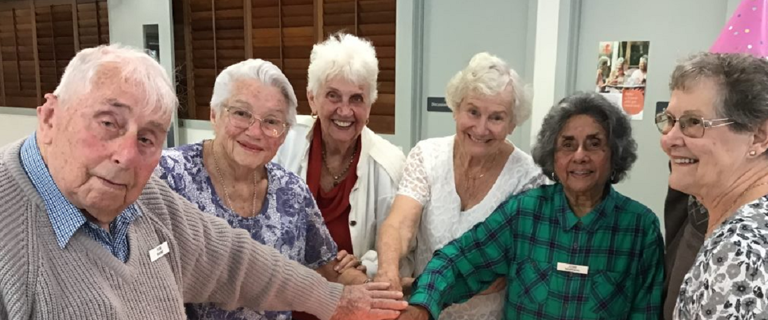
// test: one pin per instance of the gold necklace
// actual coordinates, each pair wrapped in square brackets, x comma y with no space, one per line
[224,186]
[336,178]
[490,166]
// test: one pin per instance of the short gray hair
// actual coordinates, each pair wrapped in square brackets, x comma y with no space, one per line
[488,75]
[619,64]
[615,123]
[254,69]
[742,82]
[136,68]
[344,55]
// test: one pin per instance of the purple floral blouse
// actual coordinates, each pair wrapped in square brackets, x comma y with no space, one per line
[289,219]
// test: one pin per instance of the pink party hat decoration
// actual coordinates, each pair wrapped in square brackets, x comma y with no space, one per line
[746,31]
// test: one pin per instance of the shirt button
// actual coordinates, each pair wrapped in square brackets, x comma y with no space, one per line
[352,223]
[575,245]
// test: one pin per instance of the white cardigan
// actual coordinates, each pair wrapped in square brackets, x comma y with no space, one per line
[378,171]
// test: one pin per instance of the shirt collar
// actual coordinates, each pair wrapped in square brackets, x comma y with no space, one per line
[568,219]
[65,218]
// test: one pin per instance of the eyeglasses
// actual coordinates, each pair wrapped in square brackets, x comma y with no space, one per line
[691,126]
[243,119]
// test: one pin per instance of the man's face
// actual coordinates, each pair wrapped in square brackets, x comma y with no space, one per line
[101,147]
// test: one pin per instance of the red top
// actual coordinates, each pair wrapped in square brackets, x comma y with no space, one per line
[333,204]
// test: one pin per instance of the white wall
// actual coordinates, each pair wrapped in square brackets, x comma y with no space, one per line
[126,26]
[454,31]
[16,123]
[675,29]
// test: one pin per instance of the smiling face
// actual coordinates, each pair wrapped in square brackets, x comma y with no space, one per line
[249,146]
[102,147]
[483,122]
[583,157]
[706,164]
[342,108]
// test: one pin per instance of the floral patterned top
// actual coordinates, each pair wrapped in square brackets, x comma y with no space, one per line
[289,219]
[729,279]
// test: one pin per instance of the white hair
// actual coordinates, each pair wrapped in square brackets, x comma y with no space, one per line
[347,56]
[254,69]
[136,68]
[488,75]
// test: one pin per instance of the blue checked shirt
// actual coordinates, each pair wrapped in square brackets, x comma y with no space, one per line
[65,218]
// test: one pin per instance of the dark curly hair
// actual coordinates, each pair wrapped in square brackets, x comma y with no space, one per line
[615,123]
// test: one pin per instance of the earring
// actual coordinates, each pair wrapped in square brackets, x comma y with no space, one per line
[313,115]
[752,153]
[367,120]
[613,176]
[554,177]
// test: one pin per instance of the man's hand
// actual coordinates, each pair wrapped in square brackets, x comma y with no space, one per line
[371,301]
[393,278]
[414,313]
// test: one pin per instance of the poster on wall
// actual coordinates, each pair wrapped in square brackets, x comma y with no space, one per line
[621,74]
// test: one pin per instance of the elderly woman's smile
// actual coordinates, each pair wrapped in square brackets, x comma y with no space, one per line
[251,147]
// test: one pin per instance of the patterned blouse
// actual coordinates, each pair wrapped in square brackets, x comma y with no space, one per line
[289,219]
[729,279]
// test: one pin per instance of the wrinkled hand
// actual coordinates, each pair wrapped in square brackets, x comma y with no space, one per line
[392,278]
[347,261]
[371,301]
[414,313]
[496,286]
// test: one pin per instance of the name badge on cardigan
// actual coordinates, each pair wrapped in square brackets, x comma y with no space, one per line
[572,268]
[158,251]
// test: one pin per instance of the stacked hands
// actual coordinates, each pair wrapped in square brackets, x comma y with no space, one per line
[382,298]
[391,280]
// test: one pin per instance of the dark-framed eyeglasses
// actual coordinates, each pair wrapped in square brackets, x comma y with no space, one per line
[691,126]
[244,119]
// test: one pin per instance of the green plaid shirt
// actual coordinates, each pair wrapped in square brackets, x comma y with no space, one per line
[525,239]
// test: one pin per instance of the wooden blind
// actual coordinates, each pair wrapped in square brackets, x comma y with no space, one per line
[37,40]
[217,34]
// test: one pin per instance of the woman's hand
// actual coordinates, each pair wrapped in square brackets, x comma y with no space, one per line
[414,313]
[496,286]
[392,278]
[348,261]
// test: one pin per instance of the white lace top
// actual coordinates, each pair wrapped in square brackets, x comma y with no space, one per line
[428,178]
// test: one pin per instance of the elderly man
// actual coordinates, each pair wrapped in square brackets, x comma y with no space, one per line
[88,233]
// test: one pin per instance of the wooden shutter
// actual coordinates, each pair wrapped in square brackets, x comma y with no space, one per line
[37,41]
[219,33]
[55,42]
[376,22]
[298,37]
[92,23]
[186,107]
[18,56]
[217,39]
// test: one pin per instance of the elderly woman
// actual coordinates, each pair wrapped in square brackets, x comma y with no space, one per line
[638,76]
[715,132]
[230,177]
[618,73]
[577,249]
[452,183]
[351,171]
[603,71]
